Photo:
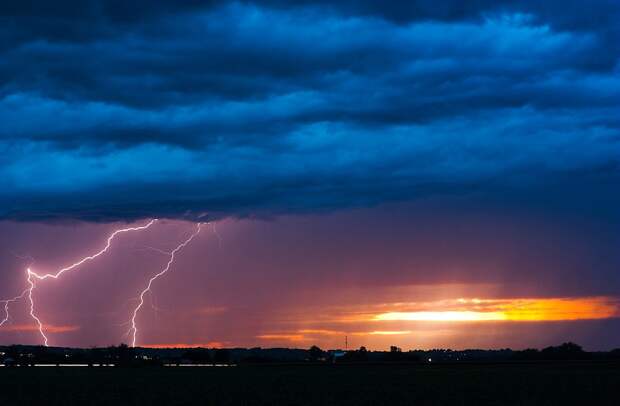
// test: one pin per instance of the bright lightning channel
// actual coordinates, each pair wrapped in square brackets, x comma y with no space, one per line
[32,277]
[6,306]
[134,327]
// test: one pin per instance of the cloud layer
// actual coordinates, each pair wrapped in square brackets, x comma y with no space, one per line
[114,111]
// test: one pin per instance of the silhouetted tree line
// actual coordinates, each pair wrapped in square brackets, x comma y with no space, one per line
[206,356]
[363,355]
[125,356]
[121,355]
[566,351]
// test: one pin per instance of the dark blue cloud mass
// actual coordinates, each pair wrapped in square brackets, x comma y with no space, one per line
[120,110]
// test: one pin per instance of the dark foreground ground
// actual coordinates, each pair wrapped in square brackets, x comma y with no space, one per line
[565,383]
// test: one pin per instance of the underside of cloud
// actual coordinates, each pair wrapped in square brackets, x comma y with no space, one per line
[116,111]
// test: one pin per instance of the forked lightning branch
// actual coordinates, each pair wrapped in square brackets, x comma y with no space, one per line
[33,279]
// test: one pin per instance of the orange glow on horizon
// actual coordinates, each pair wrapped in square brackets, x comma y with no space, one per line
[211,344]
[411,323]
[441,316]
[32,327]
[535,309]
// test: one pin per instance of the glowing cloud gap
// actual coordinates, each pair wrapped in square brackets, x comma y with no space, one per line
[134,328]
[442,316]
[511,309]
[32,276]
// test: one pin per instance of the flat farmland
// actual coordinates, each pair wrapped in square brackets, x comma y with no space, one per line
[559,383]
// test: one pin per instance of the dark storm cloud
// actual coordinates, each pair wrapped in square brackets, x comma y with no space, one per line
[118,110]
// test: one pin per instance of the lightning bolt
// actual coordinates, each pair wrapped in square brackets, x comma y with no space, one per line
[6,306]
[91,257]
[134,327]
[32,277]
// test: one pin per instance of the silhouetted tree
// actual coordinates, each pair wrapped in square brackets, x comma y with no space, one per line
[564,351]
[123,355]
[527,354]
[360,355]
[315,353]
[221,356]
[197,355]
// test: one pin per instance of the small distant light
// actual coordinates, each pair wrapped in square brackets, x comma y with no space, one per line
[430,360]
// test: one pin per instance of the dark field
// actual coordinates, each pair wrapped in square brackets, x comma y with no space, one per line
[578,383]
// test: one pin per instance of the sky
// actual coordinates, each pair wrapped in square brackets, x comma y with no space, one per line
[407,173]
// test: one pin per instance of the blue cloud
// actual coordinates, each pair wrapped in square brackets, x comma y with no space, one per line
[262,107]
